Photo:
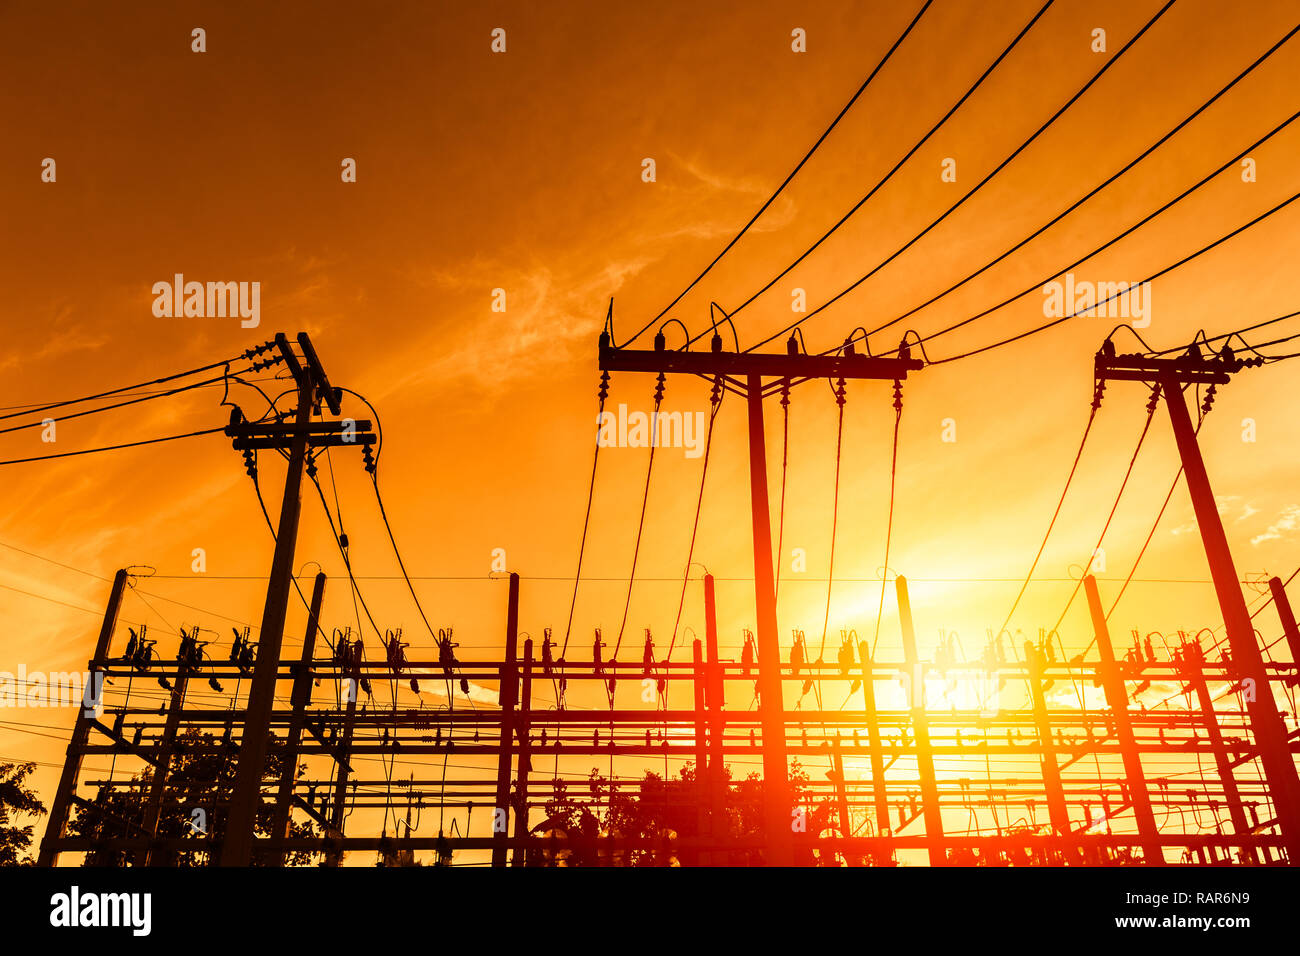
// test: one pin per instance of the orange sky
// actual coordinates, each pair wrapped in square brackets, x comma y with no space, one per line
[522,171]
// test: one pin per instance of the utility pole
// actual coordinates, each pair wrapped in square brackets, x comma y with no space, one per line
[874,749]
[49,852]
[153,856]
[715,700]
[1112,682]
[1056,809]
[301,697]
[842,799]
[1192,668]
[1171,376]
[508,695]
[743,373]
[313,389]
[921,730]
[342,747]
[523,732]
[1287,617]
[703,773]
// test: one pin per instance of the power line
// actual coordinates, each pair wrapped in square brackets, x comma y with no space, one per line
[897,166]
[154,396]
[1002,165]
[374,480]
[1130,165]
[1087,430]
[249,353]
[1151,412]
[695,526]
[1127,232]
[91,451]
[1150,278]
[1145,544]
[640,526]
[1226,335]
[26,409]
[889,522]
[45,597]
[771,199]
[603,393]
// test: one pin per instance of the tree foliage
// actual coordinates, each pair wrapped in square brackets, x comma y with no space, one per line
[655,819]
[201,777]
[17,800]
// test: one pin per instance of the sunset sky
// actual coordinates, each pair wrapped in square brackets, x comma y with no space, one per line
[522,171]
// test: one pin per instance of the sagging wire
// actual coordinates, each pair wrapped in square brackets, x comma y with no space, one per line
[903,352]
[645,501]
[715,404]
[602,394]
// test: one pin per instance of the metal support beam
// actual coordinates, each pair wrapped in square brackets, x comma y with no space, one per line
[343,763]
[755,365]
[301,696]
[874,747]
[507,695]
[1052,788]
[841,796]
[703,772]
[1193,660]
[1112,682]
[525,761]
[162,766]
[1287,617]
[54,829]
[715,700]
[921,729]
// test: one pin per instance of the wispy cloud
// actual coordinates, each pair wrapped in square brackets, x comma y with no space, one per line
[1286,522]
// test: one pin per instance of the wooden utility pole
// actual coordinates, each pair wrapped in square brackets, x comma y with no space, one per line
[313,389]
[1287,617]
[1112,682]
[508,695]
[842,798]
[703,773]
[1055,793]
[1171,376]
[301,696]
[743,373]
[874,749]
[771,705]
[162,761]
[921,730]
[343,760]
[1192,668]
[523,733]
[237,849]
[49,852]
[715,700]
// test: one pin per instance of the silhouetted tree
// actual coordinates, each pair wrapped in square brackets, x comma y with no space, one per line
[202,777]
[658,815]
[16,800]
